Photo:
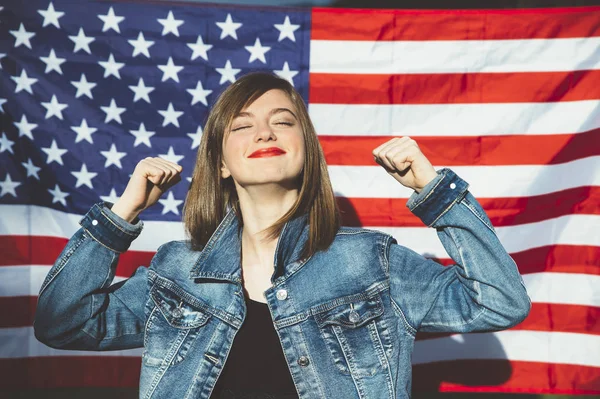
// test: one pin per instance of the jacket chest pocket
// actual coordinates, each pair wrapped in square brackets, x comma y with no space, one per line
[356,336]
[172,326]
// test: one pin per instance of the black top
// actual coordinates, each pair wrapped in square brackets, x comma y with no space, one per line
[256,367]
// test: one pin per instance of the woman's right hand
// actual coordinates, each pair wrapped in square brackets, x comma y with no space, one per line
[152,177]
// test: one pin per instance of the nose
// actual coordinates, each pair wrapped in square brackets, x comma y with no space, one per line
[264,133]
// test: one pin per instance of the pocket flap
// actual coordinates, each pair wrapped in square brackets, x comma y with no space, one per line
[352,314]
[179,312]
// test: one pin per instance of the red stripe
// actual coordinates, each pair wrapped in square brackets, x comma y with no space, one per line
[470,151]
[454,88]
[550,317]
[19,312]
[451,376]
[505,376]
[70,372]
[389,212]
[377,25]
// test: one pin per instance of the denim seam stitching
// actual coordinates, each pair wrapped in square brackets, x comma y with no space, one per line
[458,197]
[116,225]
[99,242]
[430,191]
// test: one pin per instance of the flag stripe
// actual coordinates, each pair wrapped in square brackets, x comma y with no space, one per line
[470,150]
[438,120]
[453,376]
[505,376]
[419,25]
[468,56]
[20,311]
[454,88]
[564,230]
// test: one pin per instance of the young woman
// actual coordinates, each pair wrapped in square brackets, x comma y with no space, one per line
[269,297]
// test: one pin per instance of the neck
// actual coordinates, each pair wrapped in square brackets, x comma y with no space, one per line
[261,207]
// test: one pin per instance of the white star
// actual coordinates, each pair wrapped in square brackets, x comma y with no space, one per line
[22,36]
[286,30]
[2,55]
[54,153]
[199,94]
[84,88]
[84,132]
[170,24]
[82,42]
[2,101]
[113,113]
[111,21]
[32,170]
[111,67]
[24,82]
[54,108]
[170,204]
[51,16]
[286,73]
[257,52]
[171,156]
[141,45]
[8,187]
[84,177]
[53,63]
[170,116]
[196,137]
[25,128]
[6,144]
[113,157]
[141,91]
[199,49]
[227,73]
[112,197]
[228,28]
[170,70]
[58,195]
[142,136]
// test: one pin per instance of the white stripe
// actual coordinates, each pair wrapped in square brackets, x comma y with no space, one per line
[20,342]
[454,56]
[423,120]
[563,230]
[34,220]
[531,346]
[484,181]
[517,345]
[561,288]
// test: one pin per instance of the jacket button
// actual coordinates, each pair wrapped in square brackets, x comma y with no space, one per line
[94,222]
[303,361]
[281,294]
[354,316]
[177,313]
[452,186]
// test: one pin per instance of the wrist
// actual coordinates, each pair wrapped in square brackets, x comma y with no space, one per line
[124,211]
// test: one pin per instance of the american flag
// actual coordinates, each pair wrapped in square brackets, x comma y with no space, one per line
[509,99]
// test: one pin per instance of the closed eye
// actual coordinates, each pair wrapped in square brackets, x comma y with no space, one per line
[239,128]
[285,123]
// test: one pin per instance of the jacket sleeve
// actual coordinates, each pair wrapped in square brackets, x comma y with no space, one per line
[77,307]
[483,291]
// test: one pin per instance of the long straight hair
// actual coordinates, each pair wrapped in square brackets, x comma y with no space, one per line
[210,196]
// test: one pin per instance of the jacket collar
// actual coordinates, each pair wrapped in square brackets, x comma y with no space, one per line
[220,258]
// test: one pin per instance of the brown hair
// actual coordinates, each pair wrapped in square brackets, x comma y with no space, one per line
[210,195]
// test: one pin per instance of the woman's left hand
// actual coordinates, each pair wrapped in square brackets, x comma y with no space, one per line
[402,158]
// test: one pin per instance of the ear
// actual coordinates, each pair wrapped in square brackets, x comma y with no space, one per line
[225,173]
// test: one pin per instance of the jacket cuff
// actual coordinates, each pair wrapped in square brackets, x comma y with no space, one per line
[109,229]
[437,196]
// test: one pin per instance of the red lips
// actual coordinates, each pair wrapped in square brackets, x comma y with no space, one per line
[267,152]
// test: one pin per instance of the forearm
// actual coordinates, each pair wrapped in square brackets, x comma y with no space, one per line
[72,310]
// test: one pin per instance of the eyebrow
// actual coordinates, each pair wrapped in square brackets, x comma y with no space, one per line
[274,111]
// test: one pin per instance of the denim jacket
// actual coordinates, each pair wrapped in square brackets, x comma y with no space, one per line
[346,317]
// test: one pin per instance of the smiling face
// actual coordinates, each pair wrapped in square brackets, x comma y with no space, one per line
[265,143]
